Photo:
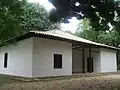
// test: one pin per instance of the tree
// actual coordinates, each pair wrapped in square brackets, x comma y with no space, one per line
[36,17]
[109,37]
[19,16]
[10,17]
[99,12]
[84,30]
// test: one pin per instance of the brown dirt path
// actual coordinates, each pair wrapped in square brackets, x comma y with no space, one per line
[107,82]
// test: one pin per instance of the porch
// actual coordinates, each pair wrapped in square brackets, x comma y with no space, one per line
[88,58]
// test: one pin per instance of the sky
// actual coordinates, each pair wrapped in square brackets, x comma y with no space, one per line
[72,26]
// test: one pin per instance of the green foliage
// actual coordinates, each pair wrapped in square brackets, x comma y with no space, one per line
[10,17]
[99,12]
[109,37]
[84,30]
[19,16]
[36,17]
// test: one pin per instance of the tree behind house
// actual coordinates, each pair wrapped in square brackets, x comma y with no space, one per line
[19,16]
[109,37]
[36,17]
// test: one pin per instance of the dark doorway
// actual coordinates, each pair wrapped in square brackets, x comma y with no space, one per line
[57,61]
[90,65]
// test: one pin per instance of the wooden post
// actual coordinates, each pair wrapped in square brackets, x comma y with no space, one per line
[83,62]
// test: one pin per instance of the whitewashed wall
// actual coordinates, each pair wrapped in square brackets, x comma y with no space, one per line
[96,59]
[108,60]
[96,62]
[34,57]
[19,58]
[43,52]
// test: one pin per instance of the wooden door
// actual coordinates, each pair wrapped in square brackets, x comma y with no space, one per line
[90,65]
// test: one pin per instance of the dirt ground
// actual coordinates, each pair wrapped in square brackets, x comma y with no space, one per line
[79,82]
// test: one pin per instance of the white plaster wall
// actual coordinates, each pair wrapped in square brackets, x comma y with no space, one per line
[19,58]
[77,61]
[43,52]
[108,60]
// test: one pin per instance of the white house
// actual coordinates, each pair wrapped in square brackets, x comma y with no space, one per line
[55,53]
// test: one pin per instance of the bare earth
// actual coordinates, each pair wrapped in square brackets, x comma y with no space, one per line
[99,82]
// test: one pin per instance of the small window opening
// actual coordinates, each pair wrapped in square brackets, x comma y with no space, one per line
[57,61]
[5,60]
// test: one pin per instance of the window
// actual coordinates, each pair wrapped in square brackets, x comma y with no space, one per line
[57,61]
[5,60]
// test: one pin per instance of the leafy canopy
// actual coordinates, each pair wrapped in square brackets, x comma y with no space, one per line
[36,17]
[109,37]
[84,30]
[20,16]
[99,12]
[10,17]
